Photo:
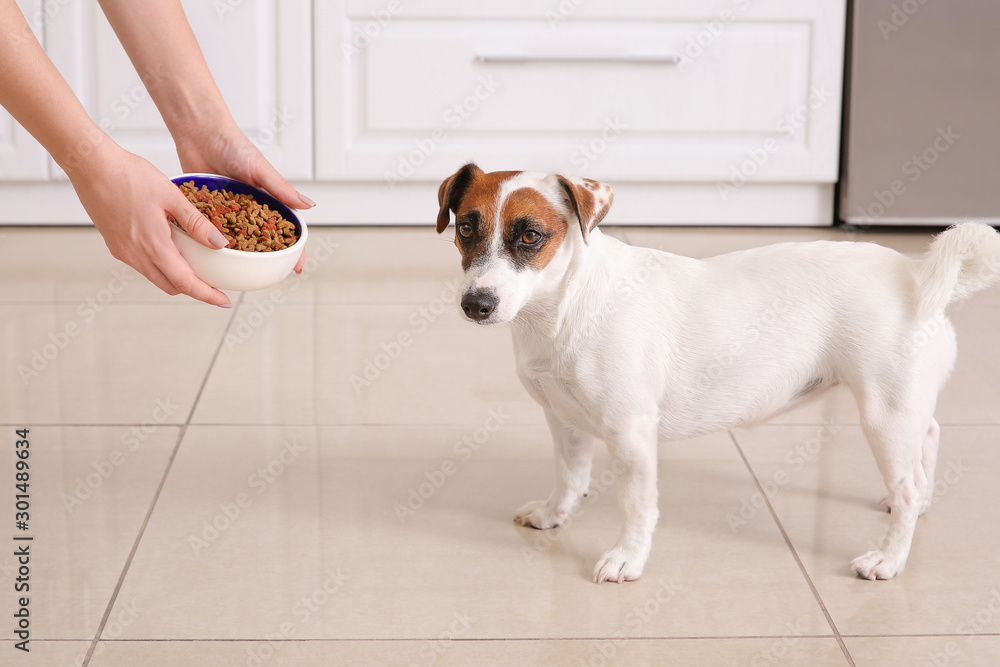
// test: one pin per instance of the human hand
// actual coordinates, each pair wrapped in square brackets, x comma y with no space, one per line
[129,201]
[227,151]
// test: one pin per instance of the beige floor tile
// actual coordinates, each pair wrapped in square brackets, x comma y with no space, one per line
[67,265]
[45,653]
[401,532]
[435,651]
[62,365]
[363,363]
[321,550]
[73,265]
[371,265]
[930,651]
[825,488]
[90,489]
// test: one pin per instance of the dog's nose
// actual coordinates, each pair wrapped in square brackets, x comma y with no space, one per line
[479,305]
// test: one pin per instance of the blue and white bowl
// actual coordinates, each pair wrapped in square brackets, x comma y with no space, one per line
[230,269]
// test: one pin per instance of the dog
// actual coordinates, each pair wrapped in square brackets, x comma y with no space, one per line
[632,345]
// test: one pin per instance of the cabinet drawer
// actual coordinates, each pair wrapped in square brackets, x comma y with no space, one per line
[681,93]
[516,76]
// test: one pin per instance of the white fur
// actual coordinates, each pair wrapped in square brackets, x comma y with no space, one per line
[494,271]
[631,345]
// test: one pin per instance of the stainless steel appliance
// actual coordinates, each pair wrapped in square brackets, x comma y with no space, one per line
[922,115]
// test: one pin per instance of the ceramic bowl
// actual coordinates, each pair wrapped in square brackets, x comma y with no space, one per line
[230,269]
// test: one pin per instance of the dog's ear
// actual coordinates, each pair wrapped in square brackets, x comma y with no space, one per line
[588,199]
[452,190]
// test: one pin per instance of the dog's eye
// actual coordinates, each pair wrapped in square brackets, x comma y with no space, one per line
[465,230]
[530,237]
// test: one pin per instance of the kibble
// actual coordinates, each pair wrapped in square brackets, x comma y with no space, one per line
[245,223]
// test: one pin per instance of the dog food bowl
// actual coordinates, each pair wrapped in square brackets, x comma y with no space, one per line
[239,270]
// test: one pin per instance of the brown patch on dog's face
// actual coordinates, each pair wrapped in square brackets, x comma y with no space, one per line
[533,229]
[475,215]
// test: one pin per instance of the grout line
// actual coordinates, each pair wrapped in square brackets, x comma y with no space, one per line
[795,555]
[927,634]
[159,489]
[469,640]
[98,425]
[68,302]
[351,424]
[304,302]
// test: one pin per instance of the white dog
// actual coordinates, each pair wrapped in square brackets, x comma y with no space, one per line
[632,344]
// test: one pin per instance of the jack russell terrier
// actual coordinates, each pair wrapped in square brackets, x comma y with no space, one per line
[624,343]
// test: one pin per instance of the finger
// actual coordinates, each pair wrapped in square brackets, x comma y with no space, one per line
[183,280]
[299,264]
[155,276]
[279,187]
[194,223]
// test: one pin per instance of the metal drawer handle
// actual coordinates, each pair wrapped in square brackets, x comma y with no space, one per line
[664,59]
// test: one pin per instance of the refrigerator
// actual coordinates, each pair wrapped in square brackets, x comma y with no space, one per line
[922,113]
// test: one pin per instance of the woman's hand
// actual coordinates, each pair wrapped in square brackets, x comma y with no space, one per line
[130,202]
[227,151]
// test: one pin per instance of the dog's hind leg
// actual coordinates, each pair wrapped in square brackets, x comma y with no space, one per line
[634,452]
[899,434]
[928,460]
[574,453]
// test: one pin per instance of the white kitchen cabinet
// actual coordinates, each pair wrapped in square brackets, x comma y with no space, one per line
[21,157]
[715,112]
[258,50]
[712,112]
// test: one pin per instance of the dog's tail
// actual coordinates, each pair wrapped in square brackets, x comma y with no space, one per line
[962,260]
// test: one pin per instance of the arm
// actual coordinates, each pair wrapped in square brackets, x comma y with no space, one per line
[127,198]
[159,41]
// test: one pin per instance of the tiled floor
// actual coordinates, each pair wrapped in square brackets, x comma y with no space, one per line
[326,475]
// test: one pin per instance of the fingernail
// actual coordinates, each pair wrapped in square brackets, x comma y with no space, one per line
[225,305]
[216,238]
[305,200]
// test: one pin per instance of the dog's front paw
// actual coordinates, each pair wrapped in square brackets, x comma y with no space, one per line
[876,565]
[618,565]
[538,514]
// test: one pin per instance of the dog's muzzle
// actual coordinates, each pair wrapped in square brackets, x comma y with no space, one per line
[478,305]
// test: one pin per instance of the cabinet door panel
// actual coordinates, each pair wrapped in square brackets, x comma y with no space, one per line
[259,52]
[523,77]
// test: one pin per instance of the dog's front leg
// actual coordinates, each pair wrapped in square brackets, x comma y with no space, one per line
[574,454]
[634,454]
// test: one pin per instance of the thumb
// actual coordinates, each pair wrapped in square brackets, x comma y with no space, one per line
[195,224]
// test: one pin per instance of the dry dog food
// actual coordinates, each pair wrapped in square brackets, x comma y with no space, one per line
[241,219]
